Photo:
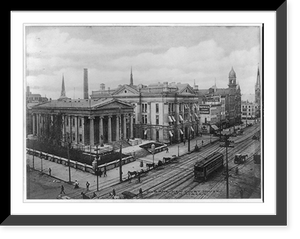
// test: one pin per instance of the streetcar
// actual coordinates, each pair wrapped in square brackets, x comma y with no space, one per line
[203,168]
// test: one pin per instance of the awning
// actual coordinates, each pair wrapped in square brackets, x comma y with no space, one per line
[170,133]
[170,119]
[173,118]
[180,118]
[181,132]
[214,127]
[192,129]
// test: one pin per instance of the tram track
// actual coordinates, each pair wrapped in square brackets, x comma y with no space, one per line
[176,176]
[192,185]
[181,177]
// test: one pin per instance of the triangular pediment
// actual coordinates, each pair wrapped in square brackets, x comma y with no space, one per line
[126,90]
[187,90]
[112,104]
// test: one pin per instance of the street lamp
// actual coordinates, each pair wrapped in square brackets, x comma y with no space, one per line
[153,149]
[95,165]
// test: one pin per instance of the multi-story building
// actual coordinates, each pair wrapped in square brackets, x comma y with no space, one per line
[82,121]
[229,100]
[166,112]
[249,110]
[31,100]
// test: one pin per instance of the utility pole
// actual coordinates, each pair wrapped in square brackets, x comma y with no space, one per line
[227,144]
[189,140]
[69,145]
[120,164]
[33,154]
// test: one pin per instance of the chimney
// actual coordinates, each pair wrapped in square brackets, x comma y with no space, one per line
[165,86]
[85,84]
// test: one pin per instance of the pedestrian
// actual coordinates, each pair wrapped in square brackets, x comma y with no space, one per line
[202,142]
[167,150]
[236,170]
[141,192]
[105,172]
[87,186]
[100,173]
[114,192]
[184,142]
[139,177]
[76,184]
[62,189]
[50,171]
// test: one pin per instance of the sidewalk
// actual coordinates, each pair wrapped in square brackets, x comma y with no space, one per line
[61,172]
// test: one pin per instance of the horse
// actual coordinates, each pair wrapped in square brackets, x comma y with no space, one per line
[114,196]
[167,159]
[84,196]
[130,174]
[150,165]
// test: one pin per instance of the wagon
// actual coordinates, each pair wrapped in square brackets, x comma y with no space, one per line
[128,195]
[240,158]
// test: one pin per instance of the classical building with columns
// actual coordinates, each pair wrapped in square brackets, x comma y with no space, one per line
[83,121]
[165,112]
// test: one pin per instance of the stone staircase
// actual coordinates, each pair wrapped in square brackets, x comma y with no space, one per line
[116,144]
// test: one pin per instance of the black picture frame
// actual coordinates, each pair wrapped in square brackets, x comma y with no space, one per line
[280,219]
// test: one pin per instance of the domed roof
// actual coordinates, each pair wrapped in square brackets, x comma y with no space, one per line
[232,73]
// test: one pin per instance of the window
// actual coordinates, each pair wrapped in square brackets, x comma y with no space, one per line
[73,121]
[80,138]
[73,136]
[144,119]
[67,121]
[144,108]
[157,119]
[157,108]
[80,122]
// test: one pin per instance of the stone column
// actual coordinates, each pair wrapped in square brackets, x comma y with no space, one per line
[131,126]
[63,122]
[109,128]
[101,130]
[91,130]
[118,127]
[124,127]
[38,124]
[76,129]
[33,125]
[70,130]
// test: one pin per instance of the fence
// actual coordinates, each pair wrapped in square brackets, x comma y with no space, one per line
[77,165]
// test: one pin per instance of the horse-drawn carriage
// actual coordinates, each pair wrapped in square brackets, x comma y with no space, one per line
[240,158]
[129,195]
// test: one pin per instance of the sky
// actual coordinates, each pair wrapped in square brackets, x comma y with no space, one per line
[172,53]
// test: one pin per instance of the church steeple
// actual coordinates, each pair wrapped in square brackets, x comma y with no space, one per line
[232,78]
[131,77]
[63,90]
[257,88]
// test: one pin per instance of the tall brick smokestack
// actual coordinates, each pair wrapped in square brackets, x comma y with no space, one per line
[85,84]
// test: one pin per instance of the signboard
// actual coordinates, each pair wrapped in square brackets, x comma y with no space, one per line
[205,129]
[204,109]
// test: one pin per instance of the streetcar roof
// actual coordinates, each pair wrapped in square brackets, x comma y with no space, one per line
[210,158]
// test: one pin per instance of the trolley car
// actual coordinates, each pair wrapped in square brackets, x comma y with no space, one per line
[205,167]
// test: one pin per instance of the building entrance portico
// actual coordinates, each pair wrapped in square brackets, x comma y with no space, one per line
[84,122]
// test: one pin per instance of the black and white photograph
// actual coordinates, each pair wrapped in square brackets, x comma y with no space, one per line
[129,112]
